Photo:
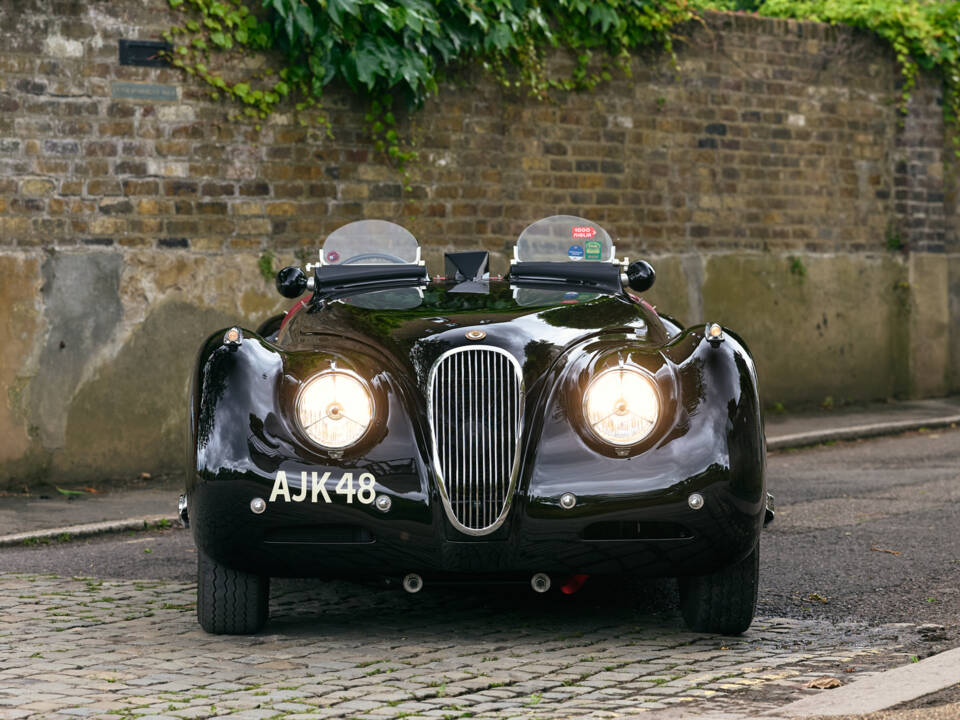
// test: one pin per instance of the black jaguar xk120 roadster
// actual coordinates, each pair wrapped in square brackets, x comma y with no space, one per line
[539,427]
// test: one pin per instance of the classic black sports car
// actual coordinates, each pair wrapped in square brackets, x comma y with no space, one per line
[539,427]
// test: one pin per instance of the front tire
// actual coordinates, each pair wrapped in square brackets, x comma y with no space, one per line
[230,602]
[723,602]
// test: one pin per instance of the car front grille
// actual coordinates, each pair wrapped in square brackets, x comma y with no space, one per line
[475,406]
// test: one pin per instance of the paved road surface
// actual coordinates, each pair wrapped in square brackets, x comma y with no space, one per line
[125,643]
[842,507]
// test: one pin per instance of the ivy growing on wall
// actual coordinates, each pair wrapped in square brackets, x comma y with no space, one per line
[923,34]
[395,52]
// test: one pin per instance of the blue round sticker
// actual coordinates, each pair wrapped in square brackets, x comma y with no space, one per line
[575,252]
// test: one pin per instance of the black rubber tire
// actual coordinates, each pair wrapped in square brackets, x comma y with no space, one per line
[723,602]
[230,602]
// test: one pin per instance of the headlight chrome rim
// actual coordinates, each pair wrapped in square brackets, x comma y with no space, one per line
[310,382]
[654,387]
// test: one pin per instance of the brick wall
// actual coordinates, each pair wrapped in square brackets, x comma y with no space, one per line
[771,163]
[770,136]
[920,197]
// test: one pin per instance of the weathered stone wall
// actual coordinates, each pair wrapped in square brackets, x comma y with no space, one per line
[768,178]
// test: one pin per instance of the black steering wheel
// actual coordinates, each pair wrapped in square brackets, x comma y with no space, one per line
[375,256]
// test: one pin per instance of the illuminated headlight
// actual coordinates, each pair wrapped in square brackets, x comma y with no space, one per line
[334,409]
[621,406]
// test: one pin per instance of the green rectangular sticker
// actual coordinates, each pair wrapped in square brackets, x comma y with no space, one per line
[592,249]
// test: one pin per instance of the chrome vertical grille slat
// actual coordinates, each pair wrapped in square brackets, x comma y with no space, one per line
[475,407]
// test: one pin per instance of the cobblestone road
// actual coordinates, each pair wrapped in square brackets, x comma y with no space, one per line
[79,647]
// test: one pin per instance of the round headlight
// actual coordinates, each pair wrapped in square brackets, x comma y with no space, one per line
[334,409]
[621,406]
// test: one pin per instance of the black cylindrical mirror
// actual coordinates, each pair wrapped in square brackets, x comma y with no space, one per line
[640,275]
[291,282]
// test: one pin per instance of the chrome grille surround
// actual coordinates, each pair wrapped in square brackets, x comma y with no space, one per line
[475,410]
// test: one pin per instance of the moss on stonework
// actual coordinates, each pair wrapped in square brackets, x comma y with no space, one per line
[265,264]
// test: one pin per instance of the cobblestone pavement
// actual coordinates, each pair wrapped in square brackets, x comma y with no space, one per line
[91,648]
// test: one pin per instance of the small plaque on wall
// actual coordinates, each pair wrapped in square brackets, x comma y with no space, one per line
[144,91]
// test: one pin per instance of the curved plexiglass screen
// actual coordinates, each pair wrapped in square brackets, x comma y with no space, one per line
[541,297]
[394,299]
[370,242]
[562,238]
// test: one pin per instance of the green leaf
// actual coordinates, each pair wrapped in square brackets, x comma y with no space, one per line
[221,40]
[397,19]
[500,37]
[603,15]
[337,8]
[413,69]
[304,19]
[368,66]
[474,17]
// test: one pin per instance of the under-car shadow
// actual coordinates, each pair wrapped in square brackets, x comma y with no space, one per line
[336,608]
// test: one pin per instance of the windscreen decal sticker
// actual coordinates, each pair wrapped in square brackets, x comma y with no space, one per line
[575,252]
[333,256]
[583,232]
[593,249]
[314,486]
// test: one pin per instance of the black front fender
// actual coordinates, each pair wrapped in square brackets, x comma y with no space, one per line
[243,434]
[709,440]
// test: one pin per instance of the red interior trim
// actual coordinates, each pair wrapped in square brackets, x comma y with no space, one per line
[300,304]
